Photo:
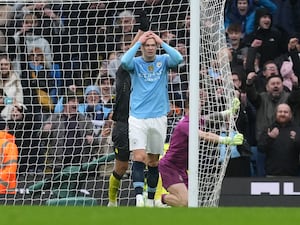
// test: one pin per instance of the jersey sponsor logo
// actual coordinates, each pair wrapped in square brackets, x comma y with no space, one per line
[154,76]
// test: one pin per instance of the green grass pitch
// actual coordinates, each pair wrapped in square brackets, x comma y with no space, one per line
[52,215]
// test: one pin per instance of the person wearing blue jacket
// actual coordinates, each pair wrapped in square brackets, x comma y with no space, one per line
[243,12]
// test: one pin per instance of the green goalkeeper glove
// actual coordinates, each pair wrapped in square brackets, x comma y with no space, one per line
[235,105]
[237,139]
[234,109]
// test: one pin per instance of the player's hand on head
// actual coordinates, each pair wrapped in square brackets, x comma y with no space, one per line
[157,38]
[145,36]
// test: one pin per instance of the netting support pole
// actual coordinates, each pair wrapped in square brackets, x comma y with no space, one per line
[194,102]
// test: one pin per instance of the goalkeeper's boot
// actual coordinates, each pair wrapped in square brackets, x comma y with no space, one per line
[149,203]
[140,201]
[159,204]
[112,204]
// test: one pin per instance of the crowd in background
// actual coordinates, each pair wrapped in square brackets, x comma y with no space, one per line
[58,65]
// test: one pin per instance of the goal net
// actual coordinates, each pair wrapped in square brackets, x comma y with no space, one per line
[216,94]
[58,62]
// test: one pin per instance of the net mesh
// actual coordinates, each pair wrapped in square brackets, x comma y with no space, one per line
[56,52]
[217,93]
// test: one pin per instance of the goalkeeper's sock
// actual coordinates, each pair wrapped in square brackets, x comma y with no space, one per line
[152,180]
[138,177]
[114,184]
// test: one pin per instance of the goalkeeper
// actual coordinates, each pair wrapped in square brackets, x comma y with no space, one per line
[174,165]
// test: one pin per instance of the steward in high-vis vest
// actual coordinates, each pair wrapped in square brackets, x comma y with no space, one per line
[8,163]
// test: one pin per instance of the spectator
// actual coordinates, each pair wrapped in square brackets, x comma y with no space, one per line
[49,15]
[11,84]
[50,23]
[168,36]
[293,53]
[26,40]
[272,66]
[245,124]
[114,64]
[59,105]
[288,75]
[260,80]
[265,104]
[70,136]
[6,14]
[271,42]
[125,25]
[183,32]
[37,82]
[243,12]
[280,141]
[91,36]
[7,43]
[183,49]
[9,161]
[107,93]
[31,159]
[235,45]
[124,43]
[93,109]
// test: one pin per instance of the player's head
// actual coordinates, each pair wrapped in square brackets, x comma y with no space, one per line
[149,49]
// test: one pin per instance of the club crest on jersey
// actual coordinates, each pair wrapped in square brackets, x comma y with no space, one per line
[158,64]
[150,68]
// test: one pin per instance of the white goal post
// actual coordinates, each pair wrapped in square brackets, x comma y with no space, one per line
[208,55]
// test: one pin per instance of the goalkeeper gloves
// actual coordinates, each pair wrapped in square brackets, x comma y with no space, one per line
[235,105]
[234,109]
[142,20]
[237,139]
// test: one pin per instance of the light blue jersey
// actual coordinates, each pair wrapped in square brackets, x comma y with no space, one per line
[149,81]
